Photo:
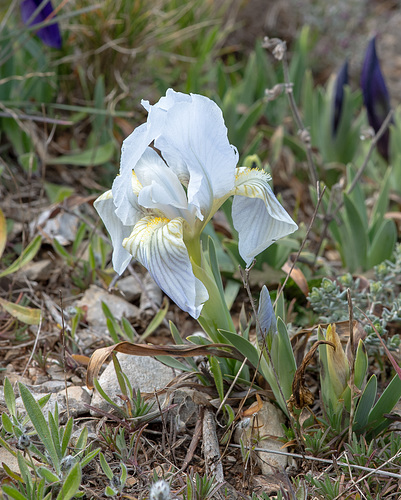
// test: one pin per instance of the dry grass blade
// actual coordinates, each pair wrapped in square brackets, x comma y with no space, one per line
[100,355]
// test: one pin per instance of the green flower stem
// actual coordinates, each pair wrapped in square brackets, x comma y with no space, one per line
[194,251]
[215,314]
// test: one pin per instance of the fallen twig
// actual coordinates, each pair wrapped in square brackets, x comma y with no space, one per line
[211,448]
[332,462]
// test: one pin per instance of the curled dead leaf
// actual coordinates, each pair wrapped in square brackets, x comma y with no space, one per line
[100,355]
[81,359]
[301,396]
[253,409]
[298,276]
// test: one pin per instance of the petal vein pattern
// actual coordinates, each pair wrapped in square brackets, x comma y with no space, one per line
[157,243]
[258,216]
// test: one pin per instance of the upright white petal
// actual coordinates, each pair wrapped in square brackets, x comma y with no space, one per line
[157,243]
[258,216]
[194,144]
[132,150]
[166,102]
[124,197]
[161,188]
[106,209]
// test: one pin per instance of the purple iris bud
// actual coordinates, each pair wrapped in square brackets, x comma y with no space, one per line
[50,35]
[341,81]
[375,95]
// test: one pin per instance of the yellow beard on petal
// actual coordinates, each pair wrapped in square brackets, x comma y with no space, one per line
[151,225]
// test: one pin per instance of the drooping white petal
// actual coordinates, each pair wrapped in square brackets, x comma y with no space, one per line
[161,188]
[195,146]
[106,209]
[258,216]
[157,243]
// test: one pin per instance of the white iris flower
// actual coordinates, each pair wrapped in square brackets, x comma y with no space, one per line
[160,203]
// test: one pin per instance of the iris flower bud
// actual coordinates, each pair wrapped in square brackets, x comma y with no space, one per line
[50,35]
[375,95]
[266,326]
[341,81]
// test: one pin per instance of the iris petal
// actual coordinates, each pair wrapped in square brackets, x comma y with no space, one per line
[375,96]
[258,216]
[124,197]
[162,189]
[166,102]
[195,145]
[157,243]
[106,209]
[50,34]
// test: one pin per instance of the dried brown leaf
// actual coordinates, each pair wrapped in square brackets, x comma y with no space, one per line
[301,396]
[100,355]
[298,276]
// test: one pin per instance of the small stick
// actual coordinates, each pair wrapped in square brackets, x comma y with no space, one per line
[302,132]
[64,355]
[165,432]
[331,462]
[245,280]
[231,387]
[352,374]
[211,448]
[371,472]
[34,346]
[279,50]
[303,242]
[195,440]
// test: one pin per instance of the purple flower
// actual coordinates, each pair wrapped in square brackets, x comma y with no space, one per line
[375,95]
[50,35]
[341,81]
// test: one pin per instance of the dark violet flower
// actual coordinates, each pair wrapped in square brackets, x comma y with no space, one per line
[50,35]
[375,95]
[341,81]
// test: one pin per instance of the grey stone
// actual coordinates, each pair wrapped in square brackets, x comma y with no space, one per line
[56,373]
[78,398]
[143,372]
[90,426]
[49,406]
[186,412]
[50,386]
[266,422]
[130,288]
[37,271]
[151,295]
[92,301]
